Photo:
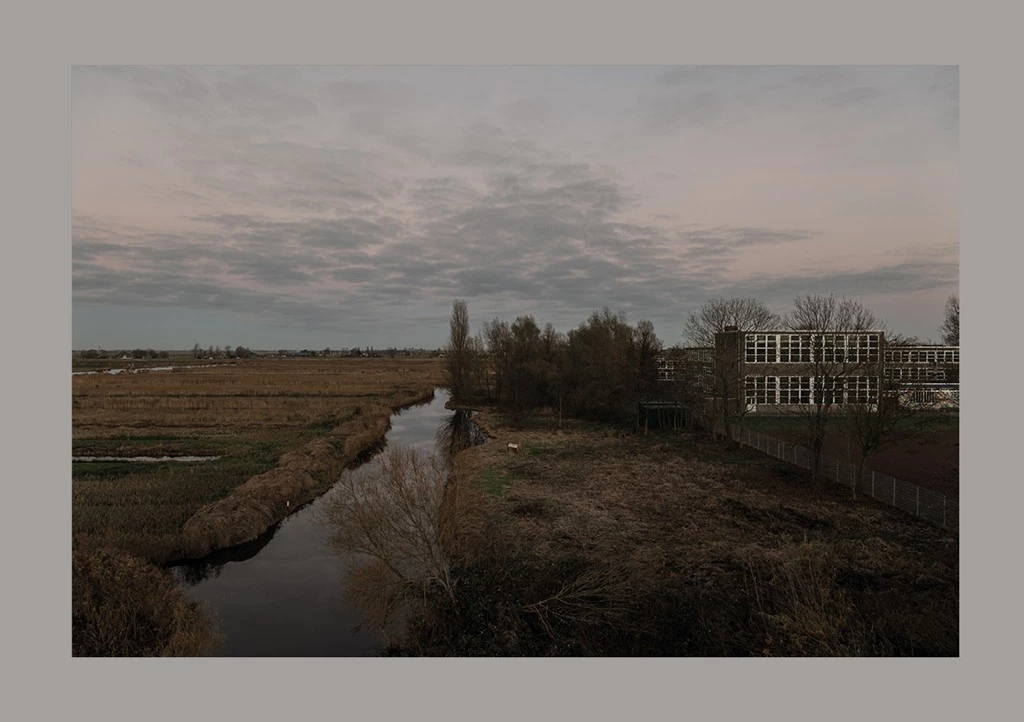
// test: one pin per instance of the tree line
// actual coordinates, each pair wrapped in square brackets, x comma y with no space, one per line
[597,371]
[605,367]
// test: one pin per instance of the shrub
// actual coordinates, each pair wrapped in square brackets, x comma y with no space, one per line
[123,606]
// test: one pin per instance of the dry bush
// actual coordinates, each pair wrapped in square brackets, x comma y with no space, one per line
[803,609]
[396,521]
[596,597]
[122,606]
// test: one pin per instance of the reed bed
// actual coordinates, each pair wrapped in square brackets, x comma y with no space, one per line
[260,416]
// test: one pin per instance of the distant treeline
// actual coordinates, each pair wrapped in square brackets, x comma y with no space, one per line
[137,353]
[216,352]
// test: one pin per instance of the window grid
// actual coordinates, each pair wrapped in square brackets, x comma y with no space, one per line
[794,389]
[862,390]
[795,348]
[915,373]
[834,347]
[762,390]
[761,347]
[903,356]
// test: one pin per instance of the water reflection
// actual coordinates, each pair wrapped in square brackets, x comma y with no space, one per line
[192,572]
[456,433]
[282,594]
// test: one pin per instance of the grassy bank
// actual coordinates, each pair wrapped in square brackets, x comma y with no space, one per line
[598,542]
[284,431]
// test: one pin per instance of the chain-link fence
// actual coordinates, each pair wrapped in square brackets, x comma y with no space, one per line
[923,503]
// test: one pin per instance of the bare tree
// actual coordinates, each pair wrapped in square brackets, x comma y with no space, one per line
[395,522]
[558,372]
[827,313]
[524,382]
[747,314]
[498,339]
[458,362]
[894,416]
[950,328]
[842,368]
[646,348]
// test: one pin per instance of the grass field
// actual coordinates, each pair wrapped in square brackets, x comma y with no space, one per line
[248,412]
[602,541]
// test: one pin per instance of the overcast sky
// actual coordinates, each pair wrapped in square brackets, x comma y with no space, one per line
[348,206]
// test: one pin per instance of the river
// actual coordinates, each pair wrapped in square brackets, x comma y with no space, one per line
[281,595]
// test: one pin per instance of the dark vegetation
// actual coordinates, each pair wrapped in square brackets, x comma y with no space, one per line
[597,371]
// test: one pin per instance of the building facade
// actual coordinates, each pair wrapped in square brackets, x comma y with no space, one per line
[781,371]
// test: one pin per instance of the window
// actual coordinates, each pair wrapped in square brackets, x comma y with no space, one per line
[761,348]
[794,390]
[833,347]
[916,373]
[862,389]
[761,389]
[863,348]
[829,389]
[795,348]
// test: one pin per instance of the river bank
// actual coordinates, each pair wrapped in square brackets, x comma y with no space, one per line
[300,476]
[284,593]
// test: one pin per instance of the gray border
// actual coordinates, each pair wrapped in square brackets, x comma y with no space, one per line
[46,40]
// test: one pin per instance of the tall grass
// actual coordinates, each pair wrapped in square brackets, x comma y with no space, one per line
[123,606]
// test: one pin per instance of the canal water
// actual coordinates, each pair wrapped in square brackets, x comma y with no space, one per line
[282,595]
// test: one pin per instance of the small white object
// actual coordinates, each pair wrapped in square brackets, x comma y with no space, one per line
[514,448]
[287,503]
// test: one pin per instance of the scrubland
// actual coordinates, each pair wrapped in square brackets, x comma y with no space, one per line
[593,541]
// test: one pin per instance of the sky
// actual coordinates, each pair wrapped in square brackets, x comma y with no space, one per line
[311,207]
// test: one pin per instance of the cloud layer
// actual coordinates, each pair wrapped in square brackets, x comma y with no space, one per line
[348,206]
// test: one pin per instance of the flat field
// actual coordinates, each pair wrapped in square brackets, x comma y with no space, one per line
[247,412]
[685,547]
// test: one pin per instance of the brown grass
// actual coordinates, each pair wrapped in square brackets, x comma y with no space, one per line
[123,606]
[299,477]
[723,551]
[285,429]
